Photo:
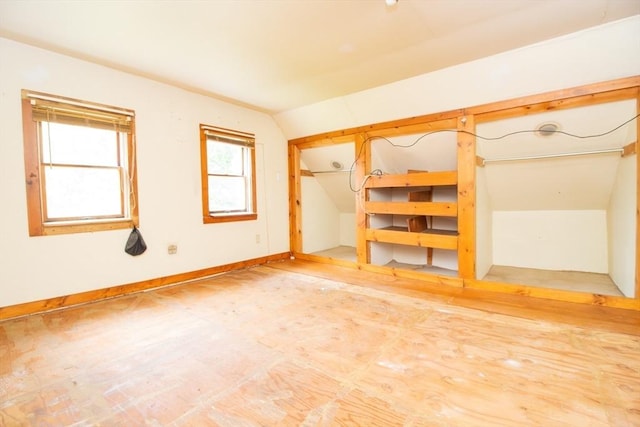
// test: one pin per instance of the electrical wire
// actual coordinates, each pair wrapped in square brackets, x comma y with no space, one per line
[484,138]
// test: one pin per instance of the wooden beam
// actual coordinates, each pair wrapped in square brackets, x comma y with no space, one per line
[629,149]
[425,240]
[426,179]
[305,172]
[362,168]
[637,293]
[448,209]
[480,161]
[324,142]
[295,200]
[414,128]
[608,91]
[467,197]
[553,101]
[545,294]
[351,132]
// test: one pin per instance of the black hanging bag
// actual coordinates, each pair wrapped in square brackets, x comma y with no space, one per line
[135,243]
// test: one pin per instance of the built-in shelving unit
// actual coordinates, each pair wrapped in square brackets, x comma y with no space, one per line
[417,212]
[440,215]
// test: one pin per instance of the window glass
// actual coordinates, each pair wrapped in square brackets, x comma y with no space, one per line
[75,193]
[227,194]
[224,159]
[228,178]
[79,164]
[78,145]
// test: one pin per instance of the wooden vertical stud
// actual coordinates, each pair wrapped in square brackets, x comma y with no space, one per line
[466,197]
[362,167]
[637,294]
[295,202]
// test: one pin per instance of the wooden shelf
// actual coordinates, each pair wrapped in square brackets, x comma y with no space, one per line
[416,179]
[448,209]
[431,238]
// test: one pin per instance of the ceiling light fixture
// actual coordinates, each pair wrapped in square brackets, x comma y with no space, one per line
[547,129]
[336,165]
[390,2]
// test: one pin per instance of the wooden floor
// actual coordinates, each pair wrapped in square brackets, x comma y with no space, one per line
[304,344]
[594,283]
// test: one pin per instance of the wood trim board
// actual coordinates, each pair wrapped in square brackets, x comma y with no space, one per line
[59,302]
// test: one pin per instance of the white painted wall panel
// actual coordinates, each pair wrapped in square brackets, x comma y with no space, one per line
[552,240]
[484,226]
[320,217]
[622,227]
[348,229]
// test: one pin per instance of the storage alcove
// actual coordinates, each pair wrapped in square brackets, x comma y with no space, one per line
[479,198]
[327,201]
[411,203]
[555,210]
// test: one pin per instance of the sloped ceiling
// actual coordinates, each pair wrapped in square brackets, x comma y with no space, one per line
[560,183]
[276,55]
[335,181]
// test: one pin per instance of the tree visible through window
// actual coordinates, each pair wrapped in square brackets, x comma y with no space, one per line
[79,163]
[228,179]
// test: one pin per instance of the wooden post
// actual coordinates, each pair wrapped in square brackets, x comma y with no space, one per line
[295,202]
[361,169]
[466,197]
[637,293]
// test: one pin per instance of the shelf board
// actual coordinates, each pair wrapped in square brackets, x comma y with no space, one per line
[448,209]
[417,179]
[432,238]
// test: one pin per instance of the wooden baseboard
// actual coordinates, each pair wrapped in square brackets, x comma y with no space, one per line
[49,304]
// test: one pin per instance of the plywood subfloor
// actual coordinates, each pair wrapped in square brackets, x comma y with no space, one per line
[423,268]
[281,345]
[565,280]
[346,253]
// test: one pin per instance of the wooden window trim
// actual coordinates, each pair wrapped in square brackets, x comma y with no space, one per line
[37,225]
[207,216]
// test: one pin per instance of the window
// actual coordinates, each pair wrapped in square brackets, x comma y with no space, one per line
[228,175]
[79,164]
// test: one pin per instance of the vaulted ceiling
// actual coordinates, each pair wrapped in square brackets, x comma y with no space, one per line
[275,55]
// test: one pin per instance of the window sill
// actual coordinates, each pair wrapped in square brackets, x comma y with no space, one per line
[229,218]
[55,228]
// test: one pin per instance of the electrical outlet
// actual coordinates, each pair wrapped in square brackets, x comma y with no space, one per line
[257,238]
[172,249]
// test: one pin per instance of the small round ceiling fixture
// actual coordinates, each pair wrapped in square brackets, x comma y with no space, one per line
[336,165]
[547,129]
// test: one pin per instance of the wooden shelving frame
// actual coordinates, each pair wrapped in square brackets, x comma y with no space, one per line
[465,121]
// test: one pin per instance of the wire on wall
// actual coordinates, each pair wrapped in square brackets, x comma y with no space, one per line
[379,172]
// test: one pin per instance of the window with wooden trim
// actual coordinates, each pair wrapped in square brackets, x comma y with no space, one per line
[79,165]
[228,174]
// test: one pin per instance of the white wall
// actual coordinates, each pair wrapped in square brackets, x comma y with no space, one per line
[622,227]
[320,217]
[348,229]
[167,118]
[484,225]
[551,240]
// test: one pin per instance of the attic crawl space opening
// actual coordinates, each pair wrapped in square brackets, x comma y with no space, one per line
[328,202]
[557,208]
